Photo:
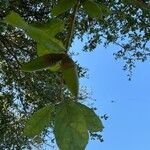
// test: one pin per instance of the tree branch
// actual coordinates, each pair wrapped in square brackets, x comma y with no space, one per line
[11,53]
[71,26]
[141,4]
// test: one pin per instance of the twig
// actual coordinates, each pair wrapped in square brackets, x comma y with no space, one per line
[71,25]
[11,53]
[141,4]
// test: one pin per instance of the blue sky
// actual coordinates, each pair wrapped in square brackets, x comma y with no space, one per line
[128,126]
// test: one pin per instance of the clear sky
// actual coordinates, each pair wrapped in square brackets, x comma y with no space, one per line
[128,125]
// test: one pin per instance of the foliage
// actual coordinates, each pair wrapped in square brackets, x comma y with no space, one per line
[38,121]
[70,127]
[35,39]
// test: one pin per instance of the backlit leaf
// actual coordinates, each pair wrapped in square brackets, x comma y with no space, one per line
[62,6]
[41,37]
[41,50]
[70,127]
[38,121]
[94,123]
[52,27]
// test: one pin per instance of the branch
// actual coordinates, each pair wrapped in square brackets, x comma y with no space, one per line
[141,4]
[11,53]
[71,26]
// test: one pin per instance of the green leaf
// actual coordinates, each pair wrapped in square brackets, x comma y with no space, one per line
[38,121]
[62,6]
[92,8]
[55,67]
[105,10]
[52,27]
[40,36]
[41,50]
[15,20]
[42,62]
[70,127]
[94,123]
[70,75]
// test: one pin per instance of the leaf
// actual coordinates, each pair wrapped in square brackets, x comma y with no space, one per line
[94,124]
[42,62]
[92,8]
[41,50]
[104,10]
[52,27]
[15,20]
[70,75]
[41,37]
[70,127]
[55,67]
[38,121]
[62,6]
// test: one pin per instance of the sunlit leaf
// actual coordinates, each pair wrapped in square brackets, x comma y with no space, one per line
[70,75]
[41,37]
[70,127]
[42,62]
[41,50]
[52,27]
[62,6]
[94,123]
[38,121]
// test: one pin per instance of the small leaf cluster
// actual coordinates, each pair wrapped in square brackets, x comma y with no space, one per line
[72,123]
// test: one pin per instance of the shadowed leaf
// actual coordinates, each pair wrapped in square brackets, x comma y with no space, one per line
[92,8]
[70,75]
[42,62]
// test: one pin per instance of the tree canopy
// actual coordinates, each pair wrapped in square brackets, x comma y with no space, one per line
[39,81]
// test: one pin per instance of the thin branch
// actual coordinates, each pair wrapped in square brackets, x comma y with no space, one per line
[71,26]
[11,53]
[141,4]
